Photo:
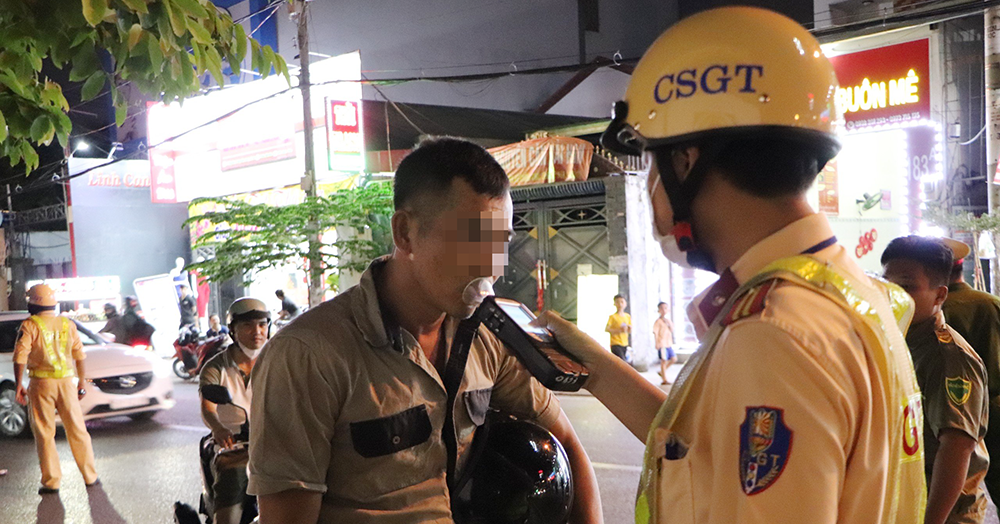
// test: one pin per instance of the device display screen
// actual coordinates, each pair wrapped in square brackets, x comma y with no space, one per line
[523,317]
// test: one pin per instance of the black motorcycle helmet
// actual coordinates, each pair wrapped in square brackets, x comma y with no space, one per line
[517,473]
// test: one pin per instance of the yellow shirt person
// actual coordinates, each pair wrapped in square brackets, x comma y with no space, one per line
[619,326]
[49,347]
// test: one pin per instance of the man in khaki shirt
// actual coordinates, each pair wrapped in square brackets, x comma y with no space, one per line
[349,407]
[952,379]
[800,405]
[48,345]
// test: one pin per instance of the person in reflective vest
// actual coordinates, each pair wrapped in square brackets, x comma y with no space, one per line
[49,346]
[801,404]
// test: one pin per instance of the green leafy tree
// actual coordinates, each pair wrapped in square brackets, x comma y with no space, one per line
[976,225]
[247,238]
[162,47]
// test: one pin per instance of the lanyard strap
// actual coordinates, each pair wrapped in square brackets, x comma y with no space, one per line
[821,246]
[453,374]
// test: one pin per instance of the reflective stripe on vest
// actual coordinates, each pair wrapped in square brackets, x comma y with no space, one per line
[56,347]
[906,495]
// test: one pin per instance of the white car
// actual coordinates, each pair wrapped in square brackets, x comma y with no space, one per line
[124,380]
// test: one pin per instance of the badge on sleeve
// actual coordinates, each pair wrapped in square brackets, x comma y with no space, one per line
[765,445]
[958,389]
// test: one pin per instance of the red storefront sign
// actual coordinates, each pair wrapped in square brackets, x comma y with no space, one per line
[884,86]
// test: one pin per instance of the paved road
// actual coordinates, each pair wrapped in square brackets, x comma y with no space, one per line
[146,466]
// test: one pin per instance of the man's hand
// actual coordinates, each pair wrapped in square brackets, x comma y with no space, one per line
[222,437]
[81,391]
[580,344]
[21,395]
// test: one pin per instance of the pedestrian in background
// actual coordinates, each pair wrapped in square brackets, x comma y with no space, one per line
[619,326]
[976,316]
[663,335]
[114,326]
[48,345]
[215,327]
[288,308]
[188,308]
[952,379]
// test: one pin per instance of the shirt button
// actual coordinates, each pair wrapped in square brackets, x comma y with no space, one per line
[395,440]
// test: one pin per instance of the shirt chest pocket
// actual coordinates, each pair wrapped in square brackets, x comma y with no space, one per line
[477,404]
[387,435]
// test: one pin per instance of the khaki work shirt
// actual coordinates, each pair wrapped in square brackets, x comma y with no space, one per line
[223,370]
[29,349]
[349,406]
[976,316]
[953,382]
[792,384]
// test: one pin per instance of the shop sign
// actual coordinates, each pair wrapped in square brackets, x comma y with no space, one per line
[345,143]
[133,174]
[83,288]
[885,86]
[550,159]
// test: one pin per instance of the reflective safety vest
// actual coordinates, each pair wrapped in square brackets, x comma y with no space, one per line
[905,494]
[55,343]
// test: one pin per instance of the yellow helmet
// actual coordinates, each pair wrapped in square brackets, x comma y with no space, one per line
[730,70]
[41,295]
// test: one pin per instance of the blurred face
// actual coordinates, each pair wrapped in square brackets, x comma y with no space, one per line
[620,304]
[663,310]
[252,334]
[214,321]
[911,276]
[466,241]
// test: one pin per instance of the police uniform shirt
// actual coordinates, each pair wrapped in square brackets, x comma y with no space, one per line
[976,316]
[349,406]
[953,382]
[222,370]
[32,355]
[791,385]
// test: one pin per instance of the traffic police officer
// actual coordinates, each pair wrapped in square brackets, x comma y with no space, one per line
[48,345]
[801,404]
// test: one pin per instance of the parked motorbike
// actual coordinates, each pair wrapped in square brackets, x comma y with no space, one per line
[191,353]
[185,514]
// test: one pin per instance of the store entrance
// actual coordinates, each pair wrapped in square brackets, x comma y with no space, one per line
[554,243]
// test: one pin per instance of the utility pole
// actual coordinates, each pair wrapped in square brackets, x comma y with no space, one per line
[309,179]
[991,41]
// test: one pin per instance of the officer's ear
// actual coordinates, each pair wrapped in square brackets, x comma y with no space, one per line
[684,159]
[941,296]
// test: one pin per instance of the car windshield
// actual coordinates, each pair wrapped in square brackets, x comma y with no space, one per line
[88,337]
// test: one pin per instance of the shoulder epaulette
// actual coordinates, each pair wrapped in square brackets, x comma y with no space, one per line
[750,303]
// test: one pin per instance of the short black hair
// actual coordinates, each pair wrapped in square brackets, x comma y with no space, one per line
[430,168]
[661,304]
[279,293]
[956,271]
[618,296]
[931,253]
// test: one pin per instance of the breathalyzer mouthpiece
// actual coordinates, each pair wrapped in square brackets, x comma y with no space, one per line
[477,291]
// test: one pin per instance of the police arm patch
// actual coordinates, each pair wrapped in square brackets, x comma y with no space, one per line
[958,389]
[765,447]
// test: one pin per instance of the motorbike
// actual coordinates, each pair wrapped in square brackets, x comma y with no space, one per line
[185,514]
[191,352]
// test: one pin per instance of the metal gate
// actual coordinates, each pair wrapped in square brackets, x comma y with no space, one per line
[552,241]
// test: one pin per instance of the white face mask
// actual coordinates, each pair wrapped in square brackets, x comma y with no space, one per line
[251,354]
[668,243]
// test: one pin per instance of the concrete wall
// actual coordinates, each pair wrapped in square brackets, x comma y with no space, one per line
[451,37]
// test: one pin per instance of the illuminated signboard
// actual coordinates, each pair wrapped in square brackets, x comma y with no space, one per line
[345,143]
[79,289]
[248,137]
[885,86]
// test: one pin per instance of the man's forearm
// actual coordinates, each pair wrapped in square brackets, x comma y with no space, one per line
[951,466]
[18,374]
[80,368]
[587,498]
[295,506]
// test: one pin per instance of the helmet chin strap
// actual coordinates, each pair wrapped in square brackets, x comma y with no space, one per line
[681,194]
